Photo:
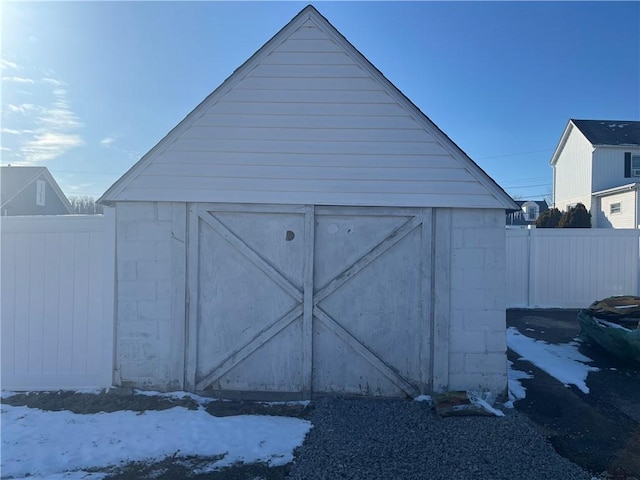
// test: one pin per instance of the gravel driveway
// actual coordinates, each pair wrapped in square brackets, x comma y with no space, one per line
[358,438]
[401,439]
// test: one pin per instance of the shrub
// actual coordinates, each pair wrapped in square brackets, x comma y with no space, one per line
[576,217]
[549,218]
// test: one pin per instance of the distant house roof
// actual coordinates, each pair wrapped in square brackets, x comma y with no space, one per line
[15,179]
[542,204]
[516,217]
[610,132]
[602,133]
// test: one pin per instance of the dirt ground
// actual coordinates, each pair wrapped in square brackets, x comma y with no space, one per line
[600,431]
[171,468]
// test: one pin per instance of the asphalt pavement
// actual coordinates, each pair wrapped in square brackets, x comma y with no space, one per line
[600,431]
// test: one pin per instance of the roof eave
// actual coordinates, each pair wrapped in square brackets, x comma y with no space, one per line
[563,141]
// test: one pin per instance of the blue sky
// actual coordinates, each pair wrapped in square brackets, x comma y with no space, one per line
[88,88]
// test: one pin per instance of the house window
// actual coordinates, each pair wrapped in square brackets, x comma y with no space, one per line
[635,165]
[531,214]
[40,189]
[615,207]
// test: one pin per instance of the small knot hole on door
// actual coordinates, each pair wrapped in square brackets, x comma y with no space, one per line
[290,235]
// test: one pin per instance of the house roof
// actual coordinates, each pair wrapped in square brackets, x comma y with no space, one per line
[610,132]
[614,190]
[542,204]
[14,179]
[241,167]
[615,133]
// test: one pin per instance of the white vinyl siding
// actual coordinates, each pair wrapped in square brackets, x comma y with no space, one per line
[624,217]
[608,167]
[309,123]
[573,172]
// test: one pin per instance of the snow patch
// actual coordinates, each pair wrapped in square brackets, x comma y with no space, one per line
[424,398]
[179,395]
[477,399]
[562,361]
[59,445]
[516,389]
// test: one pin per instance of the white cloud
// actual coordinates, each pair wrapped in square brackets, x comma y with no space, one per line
[24,108]
[53,81]
[107,141]
[12,131]
[18,79]
[6,64]
[49,145]
[47,129]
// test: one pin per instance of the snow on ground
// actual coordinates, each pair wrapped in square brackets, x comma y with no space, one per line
[562,362]
[516,389]
[43,444]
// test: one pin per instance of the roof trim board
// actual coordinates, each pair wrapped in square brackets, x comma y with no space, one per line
[309,13]
[621,188]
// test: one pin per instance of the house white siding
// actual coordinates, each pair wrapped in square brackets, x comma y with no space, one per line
[608,167]
[572,172]
[309,121]
[627,215]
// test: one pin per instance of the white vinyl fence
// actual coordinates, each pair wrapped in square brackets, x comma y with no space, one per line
[57,295]
[57,290]
[570,268]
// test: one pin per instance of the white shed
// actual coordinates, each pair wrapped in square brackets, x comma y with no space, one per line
[308,230]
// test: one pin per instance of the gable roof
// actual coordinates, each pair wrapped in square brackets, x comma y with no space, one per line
[542,204]
[308,119]
[610,132]
[615,133]
[14,179]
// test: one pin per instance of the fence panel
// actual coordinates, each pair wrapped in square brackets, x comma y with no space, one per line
[517,250]
[57,297]
[570,268]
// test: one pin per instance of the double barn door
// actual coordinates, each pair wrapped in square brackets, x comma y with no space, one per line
[309,299]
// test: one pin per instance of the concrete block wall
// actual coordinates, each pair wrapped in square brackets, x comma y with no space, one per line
[477,336]
[150,264]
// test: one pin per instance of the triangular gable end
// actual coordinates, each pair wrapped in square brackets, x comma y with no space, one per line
[308,119]
[568,131]
[39,173]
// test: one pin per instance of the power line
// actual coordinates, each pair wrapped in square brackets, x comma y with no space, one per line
[530,186]
[86,173]
[516,154]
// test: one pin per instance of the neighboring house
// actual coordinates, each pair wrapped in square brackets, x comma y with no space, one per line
[308,230]
[597,163]
[529,212]
[31,191]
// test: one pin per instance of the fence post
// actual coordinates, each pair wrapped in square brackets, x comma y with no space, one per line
[110,306]
[533,252]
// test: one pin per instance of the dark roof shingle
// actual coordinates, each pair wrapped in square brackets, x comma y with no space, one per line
[610,132]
